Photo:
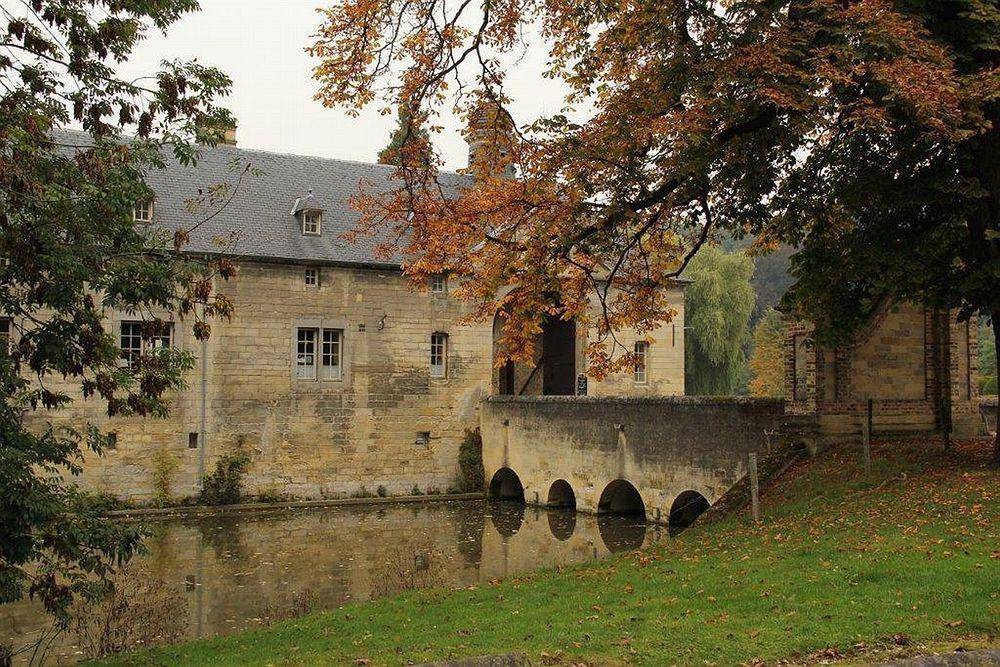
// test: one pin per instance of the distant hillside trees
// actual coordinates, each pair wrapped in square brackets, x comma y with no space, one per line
[718,306]
[767,362]
[987,359]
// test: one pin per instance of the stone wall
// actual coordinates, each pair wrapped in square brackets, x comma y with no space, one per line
[916,364]
[661,446]
[310,437]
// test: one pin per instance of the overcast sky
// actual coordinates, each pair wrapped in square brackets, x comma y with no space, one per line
[260,45]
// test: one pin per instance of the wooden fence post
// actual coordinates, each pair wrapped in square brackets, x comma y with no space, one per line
[866,436]
[754,488]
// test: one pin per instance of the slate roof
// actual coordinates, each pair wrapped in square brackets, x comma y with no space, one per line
[259,217]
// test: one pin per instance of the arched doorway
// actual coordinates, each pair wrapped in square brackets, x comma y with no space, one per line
[561,495]
[620,497]
[685,510]
[506,485]
[505,377]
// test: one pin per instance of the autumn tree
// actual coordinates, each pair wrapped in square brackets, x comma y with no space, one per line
[71,251]
[767,361]
[865,131]
[717,308]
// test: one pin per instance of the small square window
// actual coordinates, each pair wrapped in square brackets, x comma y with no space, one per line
[438,283]
[305,354]
[423,439]
[312,222]
[193,440]
[112,440]
[312,277]
[641,360]
[439,355]
[143,211]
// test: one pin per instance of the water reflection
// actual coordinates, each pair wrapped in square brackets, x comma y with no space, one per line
[242,571]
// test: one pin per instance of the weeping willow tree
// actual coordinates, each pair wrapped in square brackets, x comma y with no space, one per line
[718,306]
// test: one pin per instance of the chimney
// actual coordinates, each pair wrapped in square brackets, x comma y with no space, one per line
[229,138]
[490,135]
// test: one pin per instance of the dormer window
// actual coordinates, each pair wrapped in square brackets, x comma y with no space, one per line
[312,222]
[143,211]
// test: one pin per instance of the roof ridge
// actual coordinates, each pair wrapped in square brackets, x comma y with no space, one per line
[260,151]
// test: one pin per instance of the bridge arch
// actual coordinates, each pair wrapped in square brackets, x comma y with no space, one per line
[561,495]
[621,497]
[686,509]
[506,485]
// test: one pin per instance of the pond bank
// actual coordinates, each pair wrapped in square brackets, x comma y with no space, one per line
[201,510]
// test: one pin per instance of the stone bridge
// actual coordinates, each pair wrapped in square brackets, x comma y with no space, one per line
[666,457]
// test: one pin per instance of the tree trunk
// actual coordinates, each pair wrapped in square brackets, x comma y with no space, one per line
[995,318]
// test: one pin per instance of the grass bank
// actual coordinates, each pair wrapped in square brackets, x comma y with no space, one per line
[841,566]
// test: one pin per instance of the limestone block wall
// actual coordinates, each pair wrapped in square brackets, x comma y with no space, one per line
[663,446]
[310,438]
[916,364]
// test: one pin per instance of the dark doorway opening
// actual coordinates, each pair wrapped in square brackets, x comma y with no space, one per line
[558,357]
[686,509]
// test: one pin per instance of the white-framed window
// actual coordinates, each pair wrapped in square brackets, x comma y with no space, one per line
[438,283]
[143,211]
[439,355]
[134,344]
[305,354]
[641,371]
[312,277]
[332,356]
[312,222]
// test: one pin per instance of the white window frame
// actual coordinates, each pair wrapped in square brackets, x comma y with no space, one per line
[139,345]
[438,283]
[146,210]
[439,354]
[640,373]
[312,223]
[332,349]
[305,352]
[311,276]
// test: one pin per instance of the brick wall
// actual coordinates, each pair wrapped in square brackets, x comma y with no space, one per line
[315,438]
[917,365]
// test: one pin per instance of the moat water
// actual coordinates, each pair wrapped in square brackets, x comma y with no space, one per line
[231,572]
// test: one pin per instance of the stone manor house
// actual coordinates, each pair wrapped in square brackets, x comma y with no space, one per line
[334,374]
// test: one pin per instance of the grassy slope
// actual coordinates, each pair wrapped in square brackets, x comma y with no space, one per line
[839,562]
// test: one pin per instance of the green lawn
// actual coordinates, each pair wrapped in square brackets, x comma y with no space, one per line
[841,565]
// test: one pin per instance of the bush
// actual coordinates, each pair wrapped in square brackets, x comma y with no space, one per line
[470,461]
[225,485]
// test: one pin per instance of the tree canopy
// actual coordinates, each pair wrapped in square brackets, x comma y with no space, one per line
[863,131]
[717,308]
[767,361]
[71,251]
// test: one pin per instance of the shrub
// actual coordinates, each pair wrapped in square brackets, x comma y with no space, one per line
[470,461]
[225,485]
[382,491]
[164,466]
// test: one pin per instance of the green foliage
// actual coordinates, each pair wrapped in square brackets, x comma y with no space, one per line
[767,363]
[406,139]
[987,359]
[165,464]
[224,486]
[71,251]
[717,309]
[470,461]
